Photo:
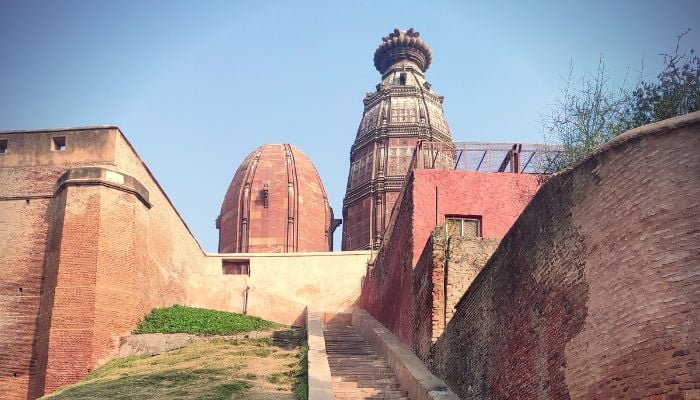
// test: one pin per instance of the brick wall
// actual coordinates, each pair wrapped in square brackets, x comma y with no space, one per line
[429,196]
[444,272]
[594,291]
[387,287]
[29,216]
[92,257]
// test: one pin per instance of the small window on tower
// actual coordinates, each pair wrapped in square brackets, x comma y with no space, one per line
[58,143]
[469,227]
[3,146]
[402,78]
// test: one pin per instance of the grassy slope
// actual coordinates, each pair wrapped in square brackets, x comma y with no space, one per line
[180,319]
[217,369]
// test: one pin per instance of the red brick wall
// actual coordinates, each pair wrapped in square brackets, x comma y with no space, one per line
[387,286]
[28,217]
[594,291]
[427,309]
[497,198]
[93,259]
[21,259]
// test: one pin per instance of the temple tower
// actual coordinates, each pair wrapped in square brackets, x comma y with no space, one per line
[403,110]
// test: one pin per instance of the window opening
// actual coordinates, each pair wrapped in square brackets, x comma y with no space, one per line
[3,146]
[237,267]
[59,143]
[402,78]
[469,227]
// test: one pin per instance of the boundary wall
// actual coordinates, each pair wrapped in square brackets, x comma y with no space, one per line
[94,243]
[593,293]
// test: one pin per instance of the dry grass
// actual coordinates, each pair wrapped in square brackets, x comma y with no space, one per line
[217,369]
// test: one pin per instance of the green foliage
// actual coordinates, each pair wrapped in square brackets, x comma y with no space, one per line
[277,377]
[590,112]
[180,319]
[301,384]
[675,92]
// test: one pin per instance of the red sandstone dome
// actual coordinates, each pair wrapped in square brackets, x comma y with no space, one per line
[276,203]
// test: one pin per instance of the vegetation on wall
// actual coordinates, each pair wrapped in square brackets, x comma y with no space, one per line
[590,111]
[181,319]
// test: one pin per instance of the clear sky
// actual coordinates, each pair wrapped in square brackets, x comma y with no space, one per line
[196,86]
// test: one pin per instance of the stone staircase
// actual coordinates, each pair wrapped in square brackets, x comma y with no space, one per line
[357,371]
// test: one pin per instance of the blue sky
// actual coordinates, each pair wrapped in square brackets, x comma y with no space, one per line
[196,86]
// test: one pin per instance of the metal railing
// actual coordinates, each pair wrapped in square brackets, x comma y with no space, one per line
[486,157]
[473,156]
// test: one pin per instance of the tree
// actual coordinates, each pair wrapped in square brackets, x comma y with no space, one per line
[674,93]
[590,112]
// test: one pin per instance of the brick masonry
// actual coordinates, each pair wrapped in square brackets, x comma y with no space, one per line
[429,196]
[594,291]
[87,259]
[444,272]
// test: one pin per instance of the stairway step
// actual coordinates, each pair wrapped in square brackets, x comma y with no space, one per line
[357,371]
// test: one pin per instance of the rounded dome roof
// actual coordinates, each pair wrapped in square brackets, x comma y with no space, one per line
[275,203]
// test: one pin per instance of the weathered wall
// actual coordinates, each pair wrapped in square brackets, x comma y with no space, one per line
[443,273]
[594,292]
[90,254]
[428,197]
[386,288]
[28,174]
[281,285]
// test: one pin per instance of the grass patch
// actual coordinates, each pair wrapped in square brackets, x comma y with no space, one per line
[301,383]
[227,390]
[276,377]
[114,366]
[181,319]
[209,369]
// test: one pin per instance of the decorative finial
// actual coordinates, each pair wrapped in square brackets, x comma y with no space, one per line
[402,45]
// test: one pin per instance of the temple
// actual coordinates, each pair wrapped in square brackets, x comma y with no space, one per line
[401,112]
[468,271]
[276,203]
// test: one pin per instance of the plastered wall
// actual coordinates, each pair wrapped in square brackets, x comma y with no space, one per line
[429,196]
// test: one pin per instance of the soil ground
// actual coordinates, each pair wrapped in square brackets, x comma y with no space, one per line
[215,369]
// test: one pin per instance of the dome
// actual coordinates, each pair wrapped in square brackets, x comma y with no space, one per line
[275,203]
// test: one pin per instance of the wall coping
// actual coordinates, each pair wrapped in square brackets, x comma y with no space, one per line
[80,176]
[45,130]
[320,384]
[414,377]
[635,134]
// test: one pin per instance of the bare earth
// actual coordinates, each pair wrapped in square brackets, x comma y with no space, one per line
[218,368]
